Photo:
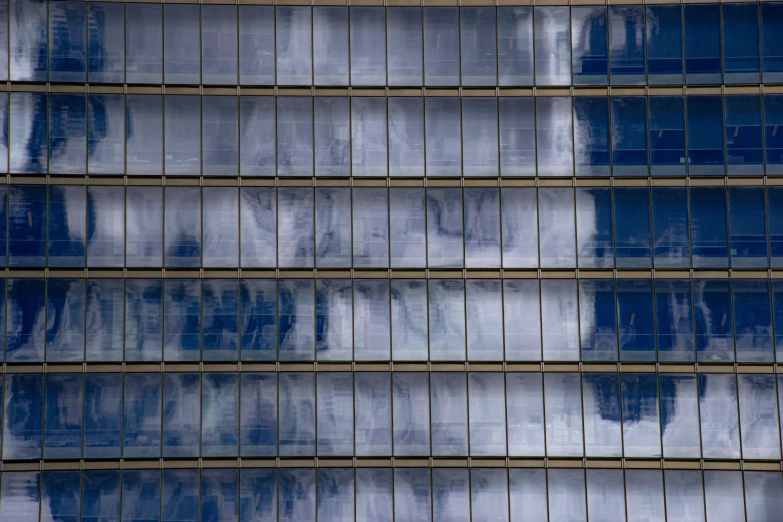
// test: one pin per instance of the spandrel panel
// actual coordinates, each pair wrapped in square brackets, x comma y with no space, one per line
[257,226]
[257,134]
[704,117]
[60,496]
[336,495]
[412,490]
[684,495]
[294,44]
[182,320]
[723,495]
[487,407]
[28,40]
[368,45]
[758,417]
[560,320]
[101,495]
[629,135]
[370,207]
[294,134]
[515,45]
[182,227]
[28,143]
[258,414]
[606,494]
[256,45]
[219,415]
[597,320]
[443,136]
[663,33]
[556,228]
[368,136]
[519,216]
[484,320]
[105,311]
[527,494]
[67,133]
[406,135]
[65,303]
[144,133]
[641,418]
[219,498]
[522,320]
[258,495]
[748,224]
[674,320]
[591,136]
[741,43]
[601,405]
[219,134]
[218,44]
[220,316]
[63,416]
[482,227]
[143,319]
[335,412]
[371,320]
[714,325]
[332,136]
[644,495]
[179,495]
[411,414]
[183,134]
[480,154]
[333,227]
[525,414]
[330,45]
[23,414]
[744,135]
[450,495]
[567,495]
[333,319]
[404,46]
[752,321]
[553,45]
[221,234]
[373,410]
[702,43]
[667,134]
[106,133]
[680,416]
[409,319]
[297,414]
[771,38]
[408,227]
[636,320]
[102,416]
[105,226]
[589,49]
[626,44]
[258,319]
[720,436]
[141,495]
[445,228]
[478,46]
[26,316]
[671,234]
[296,320]
[374,498]
[449,416]
[21,496]
[144,43]
[181,44]
[554,136]
[181,414]
[105,43]
[489,495]
[708,227]
[517,136]
[563,416]
[633,242]
[67,226]
[595,241]
[447,319]
[441,46]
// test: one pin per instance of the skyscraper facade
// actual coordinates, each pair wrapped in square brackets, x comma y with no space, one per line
[391,261]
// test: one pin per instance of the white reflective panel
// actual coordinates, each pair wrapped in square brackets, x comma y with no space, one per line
[566,495]
[489,495]
[409,319]
[560,320]
[487,407]
[522,320]
[563,415]
[684,495]
[412,488]
[447,319]
[606,495]
[719,419]
[527,495]
[485,320]
[723,496]
[680,416]
[450,495]
[525,414]
[644,495]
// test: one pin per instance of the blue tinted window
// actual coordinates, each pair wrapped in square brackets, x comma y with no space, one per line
[67,133]
[183,133]
[412,488]
[487,406]
[141,495]
[256,45]
[714,331]
[627,37]
[723,495]
[441,46]
[718,415]
[258,414]
[219,134]
[368,45]
[404,45]
[597,320]
[102,415]
[3,310]
[560,389]
[519,216]
[591,136]
[257,137]
[679,420]
[370,208]
[444,227]
[295,135]
[144,128]
[28,143]
[674,320]
[106,42]
[482,227]
[297,414]
[28,40]
[556,232]
[743,135]
[708,227]
[374,500]
[335,413]
[330,49]
[477,43]
[762,494]
[705,133]
[4,112]
[333,319]
[67,42]
[220,334]
[589,53]
[221,233]
[181,60]
[297,494]
[182,319]
[552,35]
[448,395]
[450,495]
[664,44]
[641,422]
[773,118]
[636,317]
[63,416]
[369,142]
[517,136]
[101,495]
[748,227]
[218,44]
[23,409]
[258,318]
[373,406]
[775,215]
[772,39]
[684,493]
[257,220]
[671,239]
[411,414]
[333,227]
[295,227]
[106,133]
[409,319]
[219,494]
[332,136]
[515,45]
[594,227]
[21,496]
[4,38]
[484,320]
[105,226]
[522,312]
[480,154]
[560,320]
[447,319]
[144,43]
[555,143]
[629,135]
[407,224]
[183,227]
[143,319]
[741,43]
[444,137]
[219,414]
[702,43]
[105,310]
[371,317]
[296,319]
[257,494]
[181,406]
[67,226]
[752,321]
[65,303]
[294,44]
[179,495]
[26,319]
[525,414]
[632,227]
[601,404]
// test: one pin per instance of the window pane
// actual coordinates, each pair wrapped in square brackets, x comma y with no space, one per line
[183,134]
[220,335]
[28,144]
[450,495]
[723,495]
[144,129]
[606,494]
[258,298]
[370,209]
[106,43]
[257,217]
[601,404]
[412,489]
[527,494]
[368,136]
[411,414]
[772,37]
[752,321]
[294,62]
[708,227]
[183,226]
[627,36]
[448,394]
[679,416]
[67,133]
[762,495]
[4,112]
[102,417]
[336,495]
[595,243]
[684,495]
[333,320]
[443,131]
[144,43]
[517,136]
[180,495]
[741,43]
[335,414]
[258,495]
[294,130]
[519,214]
[486,393]
[485,320]
[23,409]
[141,495]
[105,226]
[368,45]
[480,156]
[218,44]
[447,319]
[67,226]
[632,227]
[773,117]
[219,499]
[674,320]
[101,495]
[105,310]
[743,135]
[143,319]
[667,135]
[525,414]
[671,238]
[407,223]
[718,413]
[333,226]
[295,227]
[702,43]
[257,134]
[374,500]
[106,133]
[67,45]
[444,227]
[714,335]
[522,314]
[221,241]
[406,135]
[477,45]
[182,320]
[409,319]
[181,44]
[296,319]
[556,227]
[705,136]
[181,414]
[330,49]
[589,46]
[63,416]
[65,304]
[219,133]
[591,135]
[644,495]
[489,495]
[404,41]
[28,40]
[641,420]
[563,416]
[567,494]
[555,145]
[441,46]
[553,44]
[256,45]
[515,45]
[297,414]
[560,320]
[26,319]
[219,415]
[759,417]
[629,135]
[373,414]
[597,320]
[371,319]
[664,44]
[482,227]
[636,316]
[258,415]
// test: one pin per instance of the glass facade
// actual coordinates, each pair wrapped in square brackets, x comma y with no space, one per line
[401,263]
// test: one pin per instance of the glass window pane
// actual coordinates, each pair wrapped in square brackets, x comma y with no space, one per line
[101,495]
[772,35]
[567,494]
[65,304]
[335,414]
[294,131]
[522,314]
[606,494]
[489,495]
[447,319]
[553,45]
[554,135]
[406,135]
[63,416]
[332,136]
[680,416]
[220,331]
[368,136]
[752,321]
[444,227]
[404,46]
[684,495]
[525,414]
[747,221]
[517,136]
[258,415]
[143,324]
[257,134]
[629,135]
[297,414]
[412,489]
[773,118]
[102,417]
[105,226]
[373,422]
[23,419]
[257,217]
[411,414]
[664,44]
[144,43]
[626,37]
[563,416]
[407,224]
[515,45]
[28,40]
[714,328]
[368,45]
[641,420]
[67,133]
[741,43]
[333,321]
[144,128]
[295,230]
[477,45]
[519,214]
[718,413]
[597,320]
[636,316]
[595,244]
[181,414]
[182,320]
[644,495]
[256,45]
[589,54]
[219,415]
[527,494]
[409,319]
[27,142]
[591,135]
[667,134]
[759,417]
[486,393]
[441,46]
[333,227]
[106,43]
[336,495]
[4,112]
[183,134]
[181,44]
[67,226]
[674,320]
[67,44]
[601,404]
[723,495]
[671,238]
[632,227]
[258,309]
[105,311]
[371,319]
[258,495]
[370,209]
[763,498]
[294,42]
[702,43]
[705,133]
[179,495]
[221,234]
[218,44]
[560,320]
[484,320]
[448,394]
[443,132]
[26,320]
[183,226]
[21,496]
[480,157]
[744,134]
[296,319]
[219,498]
[141,495]
[450,495]
[708,227]
[374,500]
[556,227]
[219,133]
[482,227]
[106,133]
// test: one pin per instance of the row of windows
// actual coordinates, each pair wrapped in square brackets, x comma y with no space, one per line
[441,414]
[407,46]
[399,136]
[386,495]
[397,227]
[709,320]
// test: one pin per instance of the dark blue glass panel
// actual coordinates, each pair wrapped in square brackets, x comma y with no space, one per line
[295,136]
[141,495]
[182,319]
[28,135]
[258,299]
[636,318]
[447,319]
[519,220]
[106,43]
[369,155]
[257,226]
[143,227]
[406,136]
[601,405]
[705,135]
[332,136]
[371,316]
[679,416]
[181,419]
[20,496]
[553,43]
[597,320]
[181,60]
[632,227]
[373,407]
[142,412]
[404,45]
[103,415]
[144,43]
[370,208]
[560,320]
[23,419]
[744,135]
[101,496]
[220,134]
[182,227]
[556,227]
[777,301]
[450,495]
[719,421]
[591,136]
[182,133]
[443,136]
[515,45]
[741,43]
[296,319]
[67,42]
[219,495]
[629,135]
[449,416]
[63,416]
[747,222]
[627,37]
[67,133]
[589,49]
[772,41]
[27,226]
[412,494]
[674,320]
[143,319]
[28,40]
[294,44]
[411,414]
[671,238]
[221,233]
[555,143]
[106,133]
[522,312]
[441,46]
[60,496]
[256,45]
[219,415]
[714,327]
[484,320]
[180,495]
[258,410]
[105,226]
[26,317]
[374,498]
[297,414]
[773,119]
[335,414]
[333,227]
[65,303]
[752,321]
[594,227]
[702,43]
[258,495]
[517,136]
[480,151]
[67,226]
[368,46]
[297,494]
[641,422]
[218,45]
[409,320]
[775,215]
[333,319]
[664,44]
[144,129]
[220,334]
[567,495]
[708,227]
[478,46]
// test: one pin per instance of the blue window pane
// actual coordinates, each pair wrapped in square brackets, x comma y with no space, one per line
[702,43]
[487,407]
[3,311]
[297,495]
[674,320]
[443,135]
[567,494]
[664,44]
[294,41]
[335,414]
[743,135]
[560,320]
[629,135]
[719,420]
[556,227]
[448,395]
[102,416]
[519,216]
[370,227]
[183,133]
[258,414]
[411,414]
[517,136]
[714,334]
[221,234]
[409,319]
[258,495]
[4,111]
[447,319]
[182,319]
[180,495]
[605,494]
[489,495]
[333,319]
[444,227]
[632,227]
[181,60]
[527,494]
[181,408]
[450,495]
[23,408]
[219,415]
[773,118]
[741,43]
[671,239]
[219,495]
[752,321]
[143,324]
[219,133]
[627,37]
[332,136]
[522,312]
[67,226]
[67,133]
[412,490]
[441,46]
[294,134]
[762,495]
[256,45]
[555,143]
[258,298]
[601,404]
[482,227]
[183,227]
[406,136]
[333,227]
[759,417]
[591,135]
[748,227]
[26,319]
[218,44]
[142,411]
[144,129]
[106,133]
[589,53]
[684,494]
[371,316]
[407,223]
[404,45]
[257,135]
[220,334]
[296,319]
[297,414]
[65,304]
[563,415]
[67,42]
[478,46]
[679,416]
[106,43]
[597,320]
[21,496]
[257,220]
[705,135]
[144,43]
[641,422]
[525,414]
[480,154]
[368,46]
[101,495]
[4,38]
[373,406]
[594,227]
[368,131]
[708,227]
[777,303]
[28,134]
[141,495]
[63,416]
[105,226]
[723,495]
[553,44]
[484,320]
[772,39]
[28,40]
[636,317]
[374,500]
